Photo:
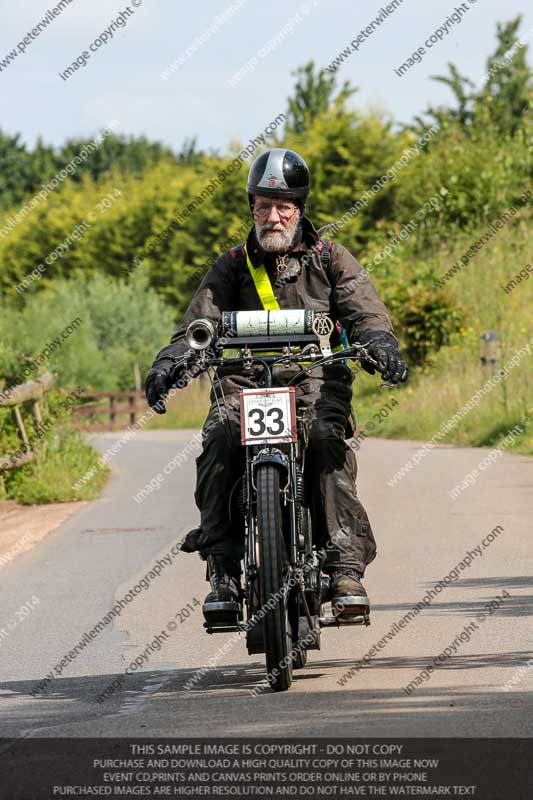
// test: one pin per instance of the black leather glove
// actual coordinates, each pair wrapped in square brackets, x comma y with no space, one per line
[382,346]
[158,382]
[163,375]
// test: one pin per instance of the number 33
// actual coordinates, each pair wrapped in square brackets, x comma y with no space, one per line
[259,426]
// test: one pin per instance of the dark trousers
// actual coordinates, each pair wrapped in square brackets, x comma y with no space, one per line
[337,514]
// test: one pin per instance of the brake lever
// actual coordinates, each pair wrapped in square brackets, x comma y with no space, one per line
[363,353]
[187,361]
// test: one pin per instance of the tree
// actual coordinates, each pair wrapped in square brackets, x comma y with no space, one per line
[44,164]
[459,85]
[24,170]
[505,96]
[509,85]
[16,179]
[314,93]
[189,152]
[128,155]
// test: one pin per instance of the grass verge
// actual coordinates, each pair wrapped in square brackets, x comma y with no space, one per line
[62,459]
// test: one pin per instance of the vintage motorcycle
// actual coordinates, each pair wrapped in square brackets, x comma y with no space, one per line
[284,586]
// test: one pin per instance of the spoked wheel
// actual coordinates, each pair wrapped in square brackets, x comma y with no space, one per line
[273,575]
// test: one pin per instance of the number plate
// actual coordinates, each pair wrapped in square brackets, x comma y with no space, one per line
[268,415]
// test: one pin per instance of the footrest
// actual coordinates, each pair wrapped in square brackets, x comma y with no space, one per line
[351,605]
[341,620]
[222,628]
[222,617]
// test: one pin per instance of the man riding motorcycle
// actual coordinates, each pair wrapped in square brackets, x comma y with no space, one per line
[284,264]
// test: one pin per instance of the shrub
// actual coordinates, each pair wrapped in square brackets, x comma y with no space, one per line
[426,319]
[123,322]
[62,456]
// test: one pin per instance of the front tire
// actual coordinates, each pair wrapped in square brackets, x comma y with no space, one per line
[273,568]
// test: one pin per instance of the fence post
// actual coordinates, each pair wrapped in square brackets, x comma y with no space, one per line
[34,392]
[37,413]
[20,425]
[137,380]
[133,407]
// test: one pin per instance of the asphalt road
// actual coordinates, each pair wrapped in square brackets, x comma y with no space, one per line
[81,570]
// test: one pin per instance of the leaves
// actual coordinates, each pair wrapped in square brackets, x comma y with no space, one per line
[313,96]
[175,213]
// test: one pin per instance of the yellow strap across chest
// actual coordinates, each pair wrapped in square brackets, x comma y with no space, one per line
[266,295]
[263,285]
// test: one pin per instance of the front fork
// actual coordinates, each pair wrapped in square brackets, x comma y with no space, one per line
[303,573]
[287,464]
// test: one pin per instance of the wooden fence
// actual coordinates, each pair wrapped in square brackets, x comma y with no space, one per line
[30,392]
[121,409]
[133,403]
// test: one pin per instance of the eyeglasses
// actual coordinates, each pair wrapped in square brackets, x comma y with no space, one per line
[285,211]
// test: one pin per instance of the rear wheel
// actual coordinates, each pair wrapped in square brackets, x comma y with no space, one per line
[273,572]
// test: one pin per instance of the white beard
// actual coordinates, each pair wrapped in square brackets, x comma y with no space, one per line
[276,242]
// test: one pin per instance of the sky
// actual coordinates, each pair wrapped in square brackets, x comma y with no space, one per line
[220,71]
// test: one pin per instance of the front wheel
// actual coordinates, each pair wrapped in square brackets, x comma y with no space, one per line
[273,573]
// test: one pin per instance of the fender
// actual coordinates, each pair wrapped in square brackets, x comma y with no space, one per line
[271,455]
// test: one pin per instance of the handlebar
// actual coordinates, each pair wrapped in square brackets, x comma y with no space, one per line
[198,361]
[297,337]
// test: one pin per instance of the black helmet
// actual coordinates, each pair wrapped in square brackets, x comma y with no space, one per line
[279,173]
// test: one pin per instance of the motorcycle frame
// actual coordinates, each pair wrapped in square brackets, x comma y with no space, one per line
[304,564]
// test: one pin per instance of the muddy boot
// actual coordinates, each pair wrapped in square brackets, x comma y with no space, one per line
[347,594]
[223,605]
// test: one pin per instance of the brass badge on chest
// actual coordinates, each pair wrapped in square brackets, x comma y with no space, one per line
[287,269]
[282,262]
